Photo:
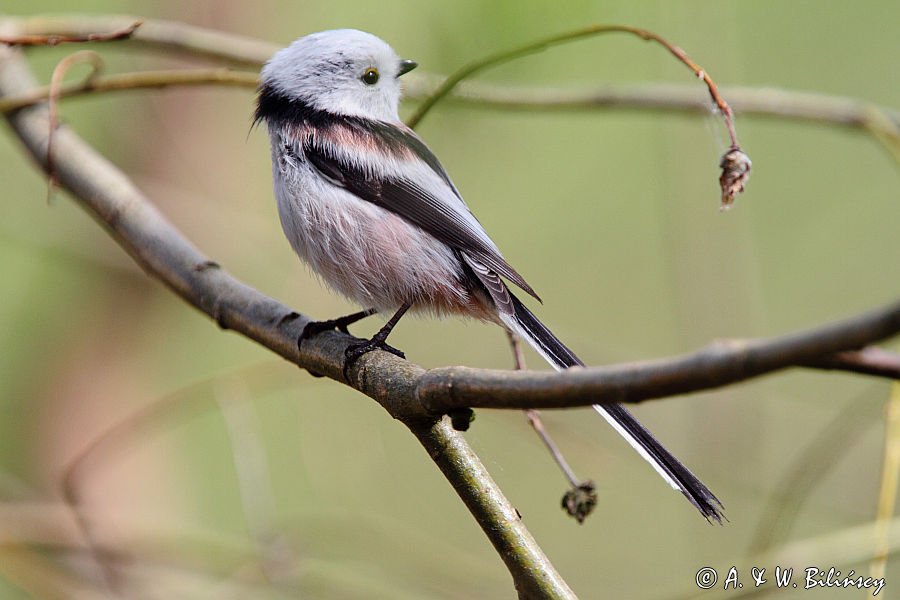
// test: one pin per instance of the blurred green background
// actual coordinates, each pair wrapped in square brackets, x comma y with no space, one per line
[251,471]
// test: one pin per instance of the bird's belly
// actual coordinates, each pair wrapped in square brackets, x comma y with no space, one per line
[370,255]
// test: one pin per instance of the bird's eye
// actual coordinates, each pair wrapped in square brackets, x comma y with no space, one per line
[370,77]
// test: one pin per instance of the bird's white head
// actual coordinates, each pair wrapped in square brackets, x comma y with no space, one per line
[342,71]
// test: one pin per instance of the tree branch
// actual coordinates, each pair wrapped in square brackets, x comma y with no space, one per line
[467,71]
[868,361]
[883,123]
[138,80]
[660,97]
[153,33]
[533,574]
[54,39]
[678,97]
[721,363]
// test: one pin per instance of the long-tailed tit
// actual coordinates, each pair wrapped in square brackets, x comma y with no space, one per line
[369,208]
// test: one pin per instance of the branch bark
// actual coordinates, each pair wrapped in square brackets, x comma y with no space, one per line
[747,101]
[153,33]
[721,363]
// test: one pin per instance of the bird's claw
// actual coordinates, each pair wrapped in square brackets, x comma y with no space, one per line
[357,350]
[314,328]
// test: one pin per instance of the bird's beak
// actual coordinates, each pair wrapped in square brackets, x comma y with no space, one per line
[406,66]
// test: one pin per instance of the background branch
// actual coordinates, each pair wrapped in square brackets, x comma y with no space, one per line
[657,97]
[54,39]
[467,71]
[139,80]
[882,123]
[153,33]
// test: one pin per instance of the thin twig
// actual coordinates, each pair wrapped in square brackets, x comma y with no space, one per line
[59,72]
[493,60]
[752,102]
[154,33]
[515,344]
[121,82]
[534,417]
[868,361]
[880,122]
[735,164]
[54,39]
[101,557]
[747,101]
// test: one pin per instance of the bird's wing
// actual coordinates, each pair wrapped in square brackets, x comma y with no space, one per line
[388,165]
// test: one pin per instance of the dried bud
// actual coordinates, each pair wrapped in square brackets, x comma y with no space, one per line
[735,172]
[461,418]
[580,501]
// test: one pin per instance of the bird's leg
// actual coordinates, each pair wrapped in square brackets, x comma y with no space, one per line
[378,342]
[314,328]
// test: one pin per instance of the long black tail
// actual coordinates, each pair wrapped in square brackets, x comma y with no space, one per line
[676,474]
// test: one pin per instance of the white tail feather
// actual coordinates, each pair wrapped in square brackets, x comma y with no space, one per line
[513,324]
[522,322]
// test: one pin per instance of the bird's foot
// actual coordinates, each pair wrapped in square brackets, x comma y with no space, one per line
[314,328]
[359,349]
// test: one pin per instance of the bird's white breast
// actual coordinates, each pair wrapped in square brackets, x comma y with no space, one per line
[370,255]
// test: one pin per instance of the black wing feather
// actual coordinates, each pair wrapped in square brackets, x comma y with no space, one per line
[409,200]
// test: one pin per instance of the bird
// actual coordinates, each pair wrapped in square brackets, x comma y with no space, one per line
[370,209]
